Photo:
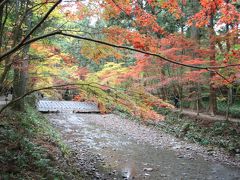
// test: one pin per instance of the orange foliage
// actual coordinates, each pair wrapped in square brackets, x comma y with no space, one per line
[228,13]
[144,19]
[173,7]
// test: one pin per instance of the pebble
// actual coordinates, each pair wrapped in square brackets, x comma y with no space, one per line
[124,176]
[137,133]
[177,147]
[163,175]
[180,156]
[90,172]
[148,169]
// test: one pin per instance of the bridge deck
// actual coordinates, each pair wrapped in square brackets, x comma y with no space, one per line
[61,106]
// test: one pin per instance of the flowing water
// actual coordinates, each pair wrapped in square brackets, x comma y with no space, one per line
[136,159]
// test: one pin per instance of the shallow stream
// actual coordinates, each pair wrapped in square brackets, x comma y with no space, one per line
[133,158]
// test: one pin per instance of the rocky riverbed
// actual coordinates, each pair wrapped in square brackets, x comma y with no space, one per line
[111,147]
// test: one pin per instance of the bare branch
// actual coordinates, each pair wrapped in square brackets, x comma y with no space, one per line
[19,45]
[221,76]
[2,3]
[42,20]
[39,89]
[208,68]
[146,52]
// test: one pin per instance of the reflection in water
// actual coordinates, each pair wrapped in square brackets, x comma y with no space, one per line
[138,160]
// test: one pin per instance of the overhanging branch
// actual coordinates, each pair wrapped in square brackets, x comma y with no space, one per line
[21,44]
[41,21]
[59,32]
[2,3]
[208,68]
[44,88]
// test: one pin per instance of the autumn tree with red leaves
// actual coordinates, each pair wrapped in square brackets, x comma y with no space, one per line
[144,32]
[169,47]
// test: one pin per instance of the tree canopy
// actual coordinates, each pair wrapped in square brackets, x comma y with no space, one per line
[131,55]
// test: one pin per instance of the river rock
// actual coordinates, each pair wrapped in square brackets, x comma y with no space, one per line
[177,146]
[180,156]
[124,175]
[146,174]
[148,169]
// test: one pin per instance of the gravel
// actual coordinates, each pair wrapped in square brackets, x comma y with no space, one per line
[160,139]
[94,166]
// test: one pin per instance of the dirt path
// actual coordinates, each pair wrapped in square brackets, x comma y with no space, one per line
[205,116]
[108,147]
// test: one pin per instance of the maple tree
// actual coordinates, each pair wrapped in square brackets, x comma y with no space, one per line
[175,45]
[138,58]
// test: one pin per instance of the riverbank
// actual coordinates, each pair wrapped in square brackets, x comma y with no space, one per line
[162,135]
[31,149]
[215,134]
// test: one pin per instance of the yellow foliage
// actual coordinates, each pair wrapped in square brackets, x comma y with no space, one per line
[133,99]
[97,52]
[52,69]
[109,75]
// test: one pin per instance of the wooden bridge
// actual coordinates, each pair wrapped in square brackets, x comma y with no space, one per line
[67,106]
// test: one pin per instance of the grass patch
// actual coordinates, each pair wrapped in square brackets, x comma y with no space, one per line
[234,110]
[31,149]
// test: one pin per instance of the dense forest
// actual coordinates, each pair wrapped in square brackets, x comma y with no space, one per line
[136,54]
[143,58]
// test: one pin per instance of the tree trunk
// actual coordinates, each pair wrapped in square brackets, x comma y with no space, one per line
[198,103]
[195,35]
[21,74]
[212,98]
[1,26]
[212,94]
[20,81]
[229,102]
[3,76]
[1,36]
